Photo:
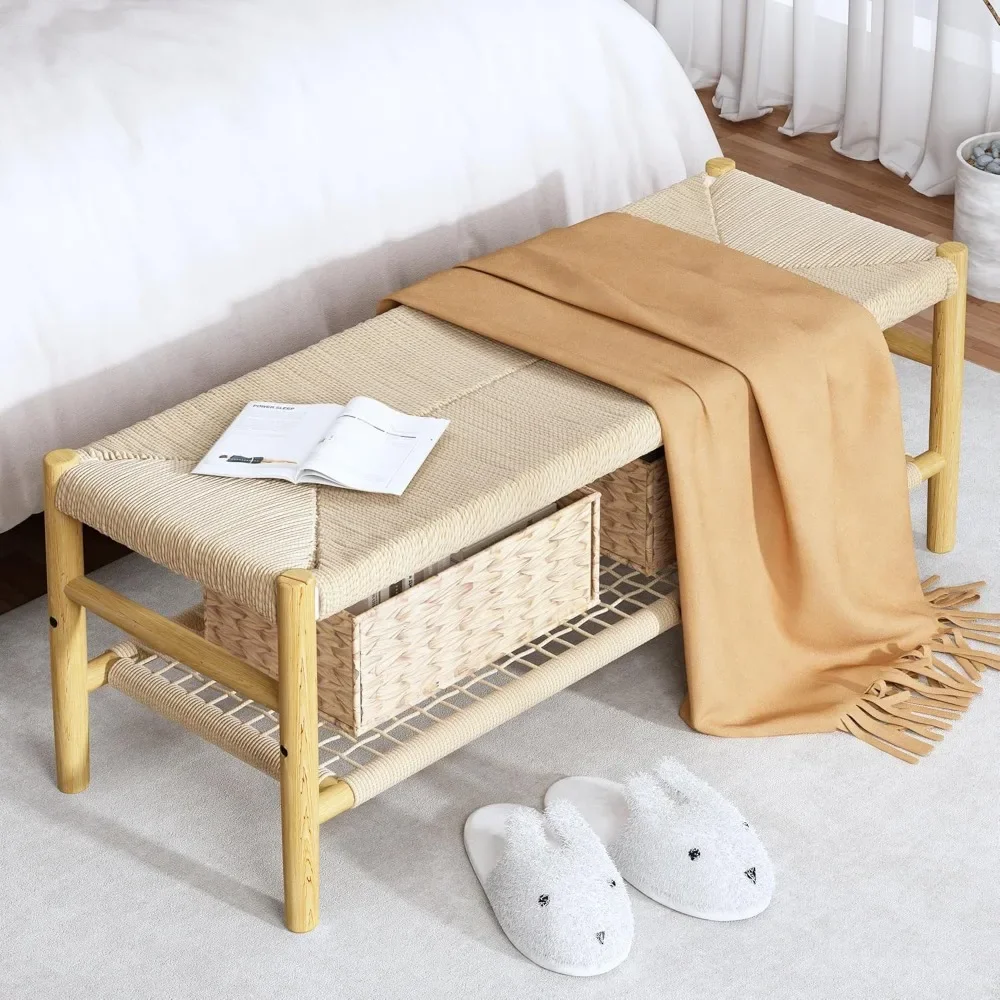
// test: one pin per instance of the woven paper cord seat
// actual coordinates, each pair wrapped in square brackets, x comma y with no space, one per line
[523,433]
[893,274]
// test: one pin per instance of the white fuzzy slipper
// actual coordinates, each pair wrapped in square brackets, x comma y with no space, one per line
[553,888]
[676,839]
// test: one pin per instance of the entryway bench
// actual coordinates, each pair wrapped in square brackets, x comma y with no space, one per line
[340,704]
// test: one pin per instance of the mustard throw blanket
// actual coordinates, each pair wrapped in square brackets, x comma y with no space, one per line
[802,606]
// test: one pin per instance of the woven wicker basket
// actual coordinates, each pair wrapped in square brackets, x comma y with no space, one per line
[637,525]
[374,665]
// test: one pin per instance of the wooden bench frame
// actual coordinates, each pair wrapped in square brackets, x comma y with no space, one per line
[306,799]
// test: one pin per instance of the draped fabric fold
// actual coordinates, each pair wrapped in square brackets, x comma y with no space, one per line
[777,399]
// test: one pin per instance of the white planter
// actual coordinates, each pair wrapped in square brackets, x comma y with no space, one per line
[977,220]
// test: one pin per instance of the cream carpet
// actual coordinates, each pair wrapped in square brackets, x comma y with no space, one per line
[163,880]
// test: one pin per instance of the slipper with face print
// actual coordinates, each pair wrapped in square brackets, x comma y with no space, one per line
[677,840]
[554,890]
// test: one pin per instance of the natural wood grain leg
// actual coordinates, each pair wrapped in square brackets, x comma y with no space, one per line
[947,358]
[719,165]
[298,716]
[67,633]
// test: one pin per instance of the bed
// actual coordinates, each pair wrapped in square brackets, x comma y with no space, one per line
[191,189]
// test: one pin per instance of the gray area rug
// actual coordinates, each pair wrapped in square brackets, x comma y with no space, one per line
[164,878]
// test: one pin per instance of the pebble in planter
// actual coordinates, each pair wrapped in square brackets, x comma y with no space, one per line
[977,212]
[986,157]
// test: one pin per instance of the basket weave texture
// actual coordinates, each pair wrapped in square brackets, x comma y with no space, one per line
[373,665]
[637,525]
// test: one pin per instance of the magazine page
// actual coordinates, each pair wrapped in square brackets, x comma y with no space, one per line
[269,440]
[372,447]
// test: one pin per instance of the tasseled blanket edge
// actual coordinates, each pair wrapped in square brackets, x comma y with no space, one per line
[908,709]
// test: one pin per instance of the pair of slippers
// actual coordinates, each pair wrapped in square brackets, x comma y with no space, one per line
[556,880]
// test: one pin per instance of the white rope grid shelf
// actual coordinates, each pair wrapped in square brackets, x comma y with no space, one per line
[229,719]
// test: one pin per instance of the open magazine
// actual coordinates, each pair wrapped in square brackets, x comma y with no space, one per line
[364,445]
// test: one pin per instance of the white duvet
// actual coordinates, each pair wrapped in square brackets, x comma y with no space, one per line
[192,188]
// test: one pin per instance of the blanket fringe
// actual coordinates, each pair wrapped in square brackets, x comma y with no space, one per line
[913,704]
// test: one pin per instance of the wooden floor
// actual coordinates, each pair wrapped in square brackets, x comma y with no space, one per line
[808,164]
[805,163]
[22,560]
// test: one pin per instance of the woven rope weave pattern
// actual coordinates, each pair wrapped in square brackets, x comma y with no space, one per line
[893,274]
[523,432]
[374,664]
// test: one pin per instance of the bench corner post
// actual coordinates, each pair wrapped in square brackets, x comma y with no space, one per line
[947,360]
[67,632]
[298,720]
[719,166]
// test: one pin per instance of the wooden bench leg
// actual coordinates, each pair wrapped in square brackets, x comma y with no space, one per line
[298,718]
[947,359]
[67,633]
[719,165]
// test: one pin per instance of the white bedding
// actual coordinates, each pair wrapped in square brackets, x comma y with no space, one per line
[192,188]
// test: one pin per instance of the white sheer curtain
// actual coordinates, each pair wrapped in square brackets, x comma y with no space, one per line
[899,81]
